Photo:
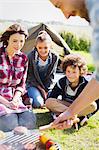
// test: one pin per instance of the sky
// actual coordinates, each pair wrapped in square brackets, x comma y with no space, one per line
[35,11]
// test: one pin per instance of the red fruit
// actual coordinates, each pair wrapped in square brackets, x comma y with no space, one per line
[49,143]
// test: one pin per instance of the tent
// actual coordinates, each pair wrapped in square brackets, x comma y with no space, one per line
[59,46]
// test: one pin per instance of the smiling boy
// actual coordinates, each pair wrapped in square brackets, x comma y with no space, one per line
[70,86]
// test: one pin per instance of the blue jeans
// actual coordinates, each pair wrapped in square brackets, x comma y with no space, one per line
[10,121]
[36,97]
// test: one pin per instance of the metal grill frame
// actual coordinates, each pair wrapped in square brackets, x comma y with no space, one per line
[15,139]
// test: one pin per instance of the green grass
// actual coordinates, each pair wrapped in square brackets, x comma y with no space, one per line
[87,138]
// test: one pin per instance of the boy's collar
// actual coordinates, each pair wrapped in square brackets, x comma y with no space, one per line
[81,81]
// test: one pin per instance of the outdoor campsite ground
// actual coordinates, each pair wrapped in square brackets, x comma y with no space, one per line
[87,138]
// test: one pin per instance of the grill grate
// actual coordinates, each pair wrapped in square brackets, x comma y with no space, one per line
[16,142]
[32,136]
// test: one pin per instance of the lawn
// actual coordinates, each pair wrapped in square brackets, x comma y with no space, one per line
[87,138]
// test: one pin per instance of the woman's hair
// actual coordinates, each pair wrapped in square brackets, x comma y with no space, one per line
[15,28]
[43,36]
[74,60]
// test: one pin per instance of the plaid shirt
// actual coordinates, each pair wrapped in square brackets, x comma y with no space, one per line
[13,73]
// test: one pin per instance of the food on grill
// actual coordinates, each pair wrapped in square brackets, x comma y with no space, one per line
[44,139]
[2,135]
[49,143]
[29,141]
[30,146]
[5,147]
[20,130]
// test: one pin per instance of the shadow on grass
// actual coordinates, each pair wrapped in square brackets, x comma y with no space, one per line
[69,131]
[43,118]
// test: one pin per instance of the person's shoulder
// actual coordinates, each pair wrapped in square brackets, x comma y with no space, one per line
[62,80]
[89,76]
[83,79]
[31,53]
[54,56]
[2,49]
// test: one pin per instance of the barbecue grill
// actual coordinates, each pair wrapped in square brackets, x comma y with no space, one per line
[17,142]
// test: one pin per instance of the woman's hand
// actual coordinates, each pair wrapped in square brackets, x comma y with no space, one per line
[14,104]
[63,117]
[64,125]
[11,105]
[15,101]
[64,121]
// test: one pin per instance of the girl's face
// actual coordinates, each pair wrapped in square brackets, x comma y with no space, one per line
[72,74]
[43,48]
[16,42]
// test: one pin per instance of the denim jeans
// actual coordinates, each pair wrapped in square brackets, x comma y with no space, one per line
[36,97]
[10,121]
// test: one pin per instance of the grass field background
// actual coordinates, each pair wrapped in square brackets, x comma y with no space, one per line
[87,138]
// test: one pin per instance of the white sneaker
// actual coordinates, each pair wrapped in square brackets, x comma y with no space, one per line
[84,121]
[54,115]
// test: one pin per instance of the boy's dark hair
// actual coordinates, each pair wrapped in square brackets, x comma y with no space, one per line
[74,60]
[15,28]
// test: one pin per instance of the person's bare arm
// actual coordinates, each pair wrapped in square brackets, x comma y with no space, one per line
[88,95]
[16,98]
